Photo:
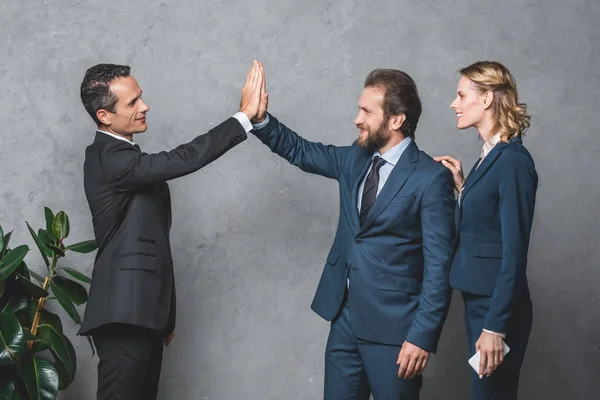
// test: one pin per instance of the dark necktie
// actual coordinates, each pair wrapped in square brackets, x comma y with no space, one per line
[370,190]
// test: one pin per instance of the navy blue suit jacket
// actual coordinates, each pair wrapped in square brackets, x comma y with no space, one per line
[398,260]
[494,223]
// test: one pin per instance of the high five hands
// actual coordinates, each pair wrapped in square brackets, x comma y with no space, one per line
[254,101]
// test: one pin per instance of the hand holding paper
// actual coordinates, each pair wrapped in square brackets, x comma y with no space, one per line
[491,359]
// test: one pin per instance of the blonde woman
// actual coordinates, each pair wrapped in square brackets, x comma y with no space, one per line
[495,213]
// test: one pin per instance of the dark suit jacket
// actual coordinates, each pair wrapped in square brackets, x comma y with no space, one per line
[494,223]
[126,189]
[398,260]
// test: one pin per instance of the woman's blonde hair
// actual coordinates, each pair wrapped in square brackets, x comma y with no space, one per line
[511,116]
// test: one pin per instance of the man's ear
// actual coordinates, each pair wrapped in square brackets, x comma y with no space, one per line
[396,122]
[102,116]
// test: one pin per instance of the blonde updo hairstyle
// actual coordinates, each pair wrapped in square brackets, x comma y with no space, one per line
[511,116]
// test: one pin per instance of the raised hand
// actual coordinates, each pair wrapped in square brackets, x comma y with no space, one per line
[251,92]
[455,166]
[264,98]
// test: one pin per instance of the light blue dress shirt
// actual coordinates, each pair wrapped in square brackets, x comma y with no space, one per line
[391,158]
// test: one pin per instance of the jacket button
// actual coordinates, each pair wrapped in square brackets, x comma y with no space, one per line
[346,265]
[357,240]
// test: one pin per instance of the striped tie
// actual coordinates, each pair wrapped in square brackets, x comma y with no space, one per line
[370,190]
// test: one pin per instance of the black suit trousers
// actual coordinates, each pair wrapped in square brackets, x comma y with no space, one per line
[130,362]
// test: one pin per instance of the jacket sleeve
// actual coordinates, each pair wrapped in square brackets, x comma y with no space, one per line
[127,169]
[316,158]
[438,230]
[518,186]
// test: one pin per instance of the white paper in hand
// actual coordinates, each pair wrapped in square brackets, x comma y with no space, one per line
[474,361]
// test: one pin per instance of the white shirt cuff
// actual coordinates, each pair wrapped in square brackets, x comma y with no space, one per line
[502,335]
[243,118]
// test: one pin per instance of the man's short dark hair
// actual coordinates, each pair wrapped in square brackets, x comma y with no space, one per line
[401,97]
[95,88]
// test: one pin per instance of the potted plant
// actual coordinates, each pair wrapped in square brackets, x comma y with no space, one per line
[36,358]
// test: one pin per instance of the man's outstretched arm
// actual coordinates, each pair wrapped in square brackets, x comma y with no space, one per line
[127,168]
[313,157]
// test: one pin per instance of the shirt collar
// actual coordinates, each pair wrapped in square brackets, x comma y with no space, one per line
[489,145]
[117,136]
[393,155]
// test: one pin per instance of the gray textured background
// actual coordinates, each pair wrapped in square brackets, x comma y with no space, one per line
[250,233]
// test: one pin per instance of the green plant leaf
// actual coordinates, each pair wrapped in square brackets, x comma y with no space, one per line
[83,247]
[38,244]
[40,378]
[46,318]
[6,242]
[7,389]
[11,261]
[45,240]
[12,340]
[23,271]
[38,346]
[31,307]
[64,380]
[28,335]
[15,303]
[60,225]
[1,239]
[20,390]
[63,352]
[31,288]
[57,250]
[65,302]
[49,318]
[7,383]
[49,216]
[76,274]
[2,288]
[75,291]
[37,276]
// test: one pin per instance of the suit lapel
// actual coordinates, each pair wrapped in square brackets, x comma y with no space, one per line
[471,171]
[476,174]
[396,180]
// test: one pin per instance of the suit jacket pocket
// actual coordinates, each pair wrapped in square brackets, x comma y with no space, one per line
[138,261]
[333,256]
[397,283]
[403,199]
[140,256]
[488,250]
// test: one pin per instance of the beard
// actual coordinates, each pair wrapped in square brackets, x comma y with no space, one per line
[376,138]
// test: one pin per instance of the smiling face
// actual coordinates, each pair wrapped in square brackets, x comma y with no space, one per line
[129,115]
[371,122]
[470,105]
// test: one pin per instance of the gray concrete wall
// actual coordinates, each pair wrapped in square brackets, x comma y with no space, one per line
[250,233]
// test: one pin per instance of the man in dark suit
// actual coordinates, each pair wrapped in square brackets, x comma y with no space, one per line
[130,312]
[384,285]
